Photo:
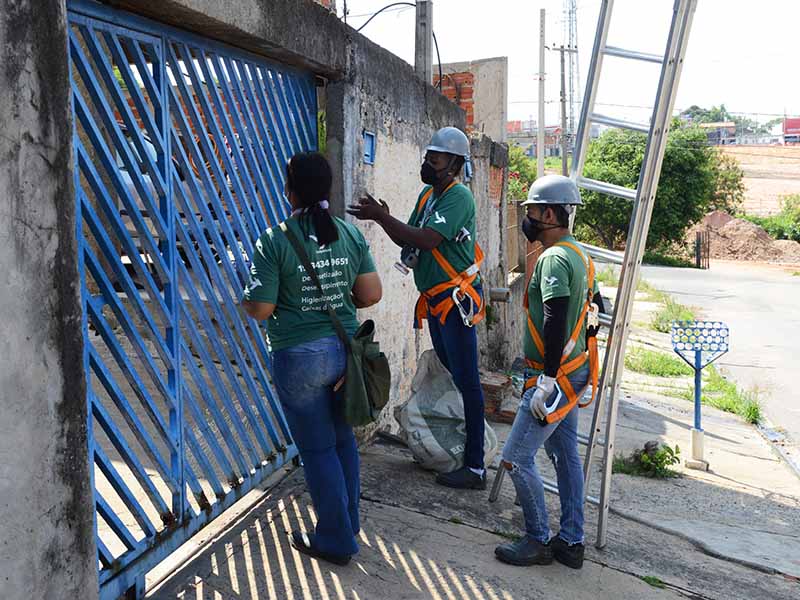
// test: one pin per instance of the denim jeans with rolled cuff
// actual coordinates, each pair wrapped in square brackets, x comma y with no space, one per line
[560,441]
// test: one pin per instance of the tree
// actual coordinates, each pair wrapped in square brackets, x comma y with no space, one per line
[720,114]
[685,189]
[728,184]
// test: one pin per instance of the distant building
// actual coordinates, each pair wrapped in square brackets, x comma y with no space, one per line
[720,134]
[525,135]
[791,131]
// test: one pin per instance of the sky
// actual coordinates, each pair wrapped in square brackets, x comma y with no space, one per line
[742,54]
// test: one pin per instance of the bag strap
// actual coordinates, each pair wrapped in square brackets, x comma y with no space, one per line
[306,262]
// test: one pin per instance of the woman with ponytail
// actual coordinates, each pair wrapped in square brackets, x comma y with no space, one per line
[308,359]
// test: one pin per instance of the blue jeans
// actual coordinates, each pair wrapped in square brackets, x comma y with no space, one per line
[560,440]
[304,376]
[456,345]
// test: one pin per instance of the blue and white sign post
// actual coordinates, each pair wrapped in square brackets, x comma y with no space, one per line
[699,343]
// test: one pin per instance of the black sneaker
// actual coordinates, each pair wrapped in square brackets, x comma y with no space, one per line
[524,552]
[569,555]
[462,478]
[303,544]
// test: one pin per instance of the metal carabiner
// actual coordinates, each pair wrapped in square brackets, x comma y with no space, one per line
[466,317]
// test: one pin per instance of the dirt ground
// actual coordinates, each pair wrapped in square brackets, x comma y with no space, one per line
[769,173]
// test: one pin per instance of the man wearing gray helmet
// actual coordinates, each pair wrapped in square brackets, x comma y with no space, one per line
[438,243]
[563,306]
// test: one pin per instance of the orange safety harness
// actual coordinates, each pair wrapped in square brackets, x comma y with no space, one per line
[569,366]
[460,283]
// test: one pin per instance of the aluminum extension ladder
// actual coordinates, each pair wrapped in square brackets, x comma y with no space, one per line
[604,419]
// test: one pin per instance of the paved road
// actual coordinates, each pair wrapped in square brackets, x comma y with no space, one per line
[761,305]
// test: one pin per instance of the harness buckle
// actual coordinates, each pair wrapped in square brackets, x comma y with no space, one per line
[466,316]
[593,316]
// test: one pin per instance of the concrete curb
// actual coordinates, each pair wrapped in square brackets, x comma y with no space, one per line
[700,545]
[772,436]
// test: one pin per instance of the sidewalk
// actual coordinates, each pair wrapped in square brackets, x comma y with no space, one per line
[731,533]
[423,541]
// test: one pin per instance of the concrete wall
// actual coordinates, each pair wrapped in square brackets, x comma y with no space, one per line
[47,545]
[382,95]
[483,94]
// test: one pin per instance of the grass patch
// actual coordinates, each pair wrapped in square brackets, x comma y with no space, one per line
[654,581]
[662,260]
[652,292]
[654,461]
[669,312]
[724,395]
[456,520]
[796,273]
[608,276]
[658,364]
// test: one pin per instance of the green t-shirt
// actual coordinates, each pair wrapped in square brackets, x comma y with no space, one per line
[447,215]
[277,277]
[559,272]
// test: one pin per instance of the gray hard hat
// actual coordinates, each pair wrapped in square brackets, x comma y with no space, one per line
[450,140]
[554,189]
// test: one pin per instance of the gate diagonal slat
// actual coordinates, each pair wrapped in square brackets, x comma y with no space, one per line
[181,145]
[107,73]
[124,279]
[212,170]
[128,456]
[239,174]
[222,319]
[249,108]
[250,325]
[229,113]
[99,370]
[123,149]
[113,173]
[112,215]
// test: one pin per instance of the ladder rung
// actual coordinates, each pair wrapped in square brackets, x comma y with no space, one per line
[605,319]
[606,188]
[584,439]
[604,255]
[552,486]
[618,123]
[633,54]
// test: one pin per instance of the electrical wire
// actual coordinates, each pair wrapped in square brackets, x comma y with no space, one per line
[383,9]
[435,41]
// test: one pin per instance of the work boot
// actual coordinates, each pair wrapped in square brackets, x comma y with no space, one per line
[566,554]
[524,552]
[303,543]
[462,478]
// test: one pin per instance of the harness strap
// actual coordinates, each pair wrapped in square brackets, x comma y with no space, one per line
[462,281]
[568,367]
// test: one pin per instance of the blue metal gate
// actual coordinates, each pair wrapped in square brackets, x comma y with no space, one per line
[180,148]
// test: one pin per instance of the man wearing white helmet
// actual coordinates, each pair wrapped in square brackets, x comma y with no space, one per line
[563,305]
[438,243]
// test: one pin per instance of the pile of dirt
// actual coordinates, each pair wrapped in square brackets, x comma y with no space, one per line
[737,239]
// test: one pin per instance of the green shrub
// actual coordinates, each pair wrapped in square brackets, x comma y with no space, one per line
[653,461]
[786,224]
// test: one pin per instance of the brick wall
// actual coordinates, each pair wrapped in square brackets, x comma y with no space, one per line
[459,89]
[496,183]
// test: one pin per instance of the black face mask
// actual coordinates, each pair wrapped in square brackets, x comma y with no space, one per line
[430,175]
[533,227]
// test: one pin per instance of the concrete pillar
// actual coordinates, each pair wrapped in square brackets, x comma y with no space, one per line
[47,547]
[423,41]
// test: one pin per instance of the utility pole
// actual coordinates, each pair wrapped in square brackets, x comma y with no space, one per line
[540,128]
[423,41]
[563,115]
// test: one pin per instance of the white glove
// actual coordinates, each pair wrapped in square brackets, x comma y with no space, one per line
[545,386]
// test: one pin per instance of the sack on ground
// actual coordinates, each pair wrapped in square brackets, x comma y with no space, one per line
[432,420]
